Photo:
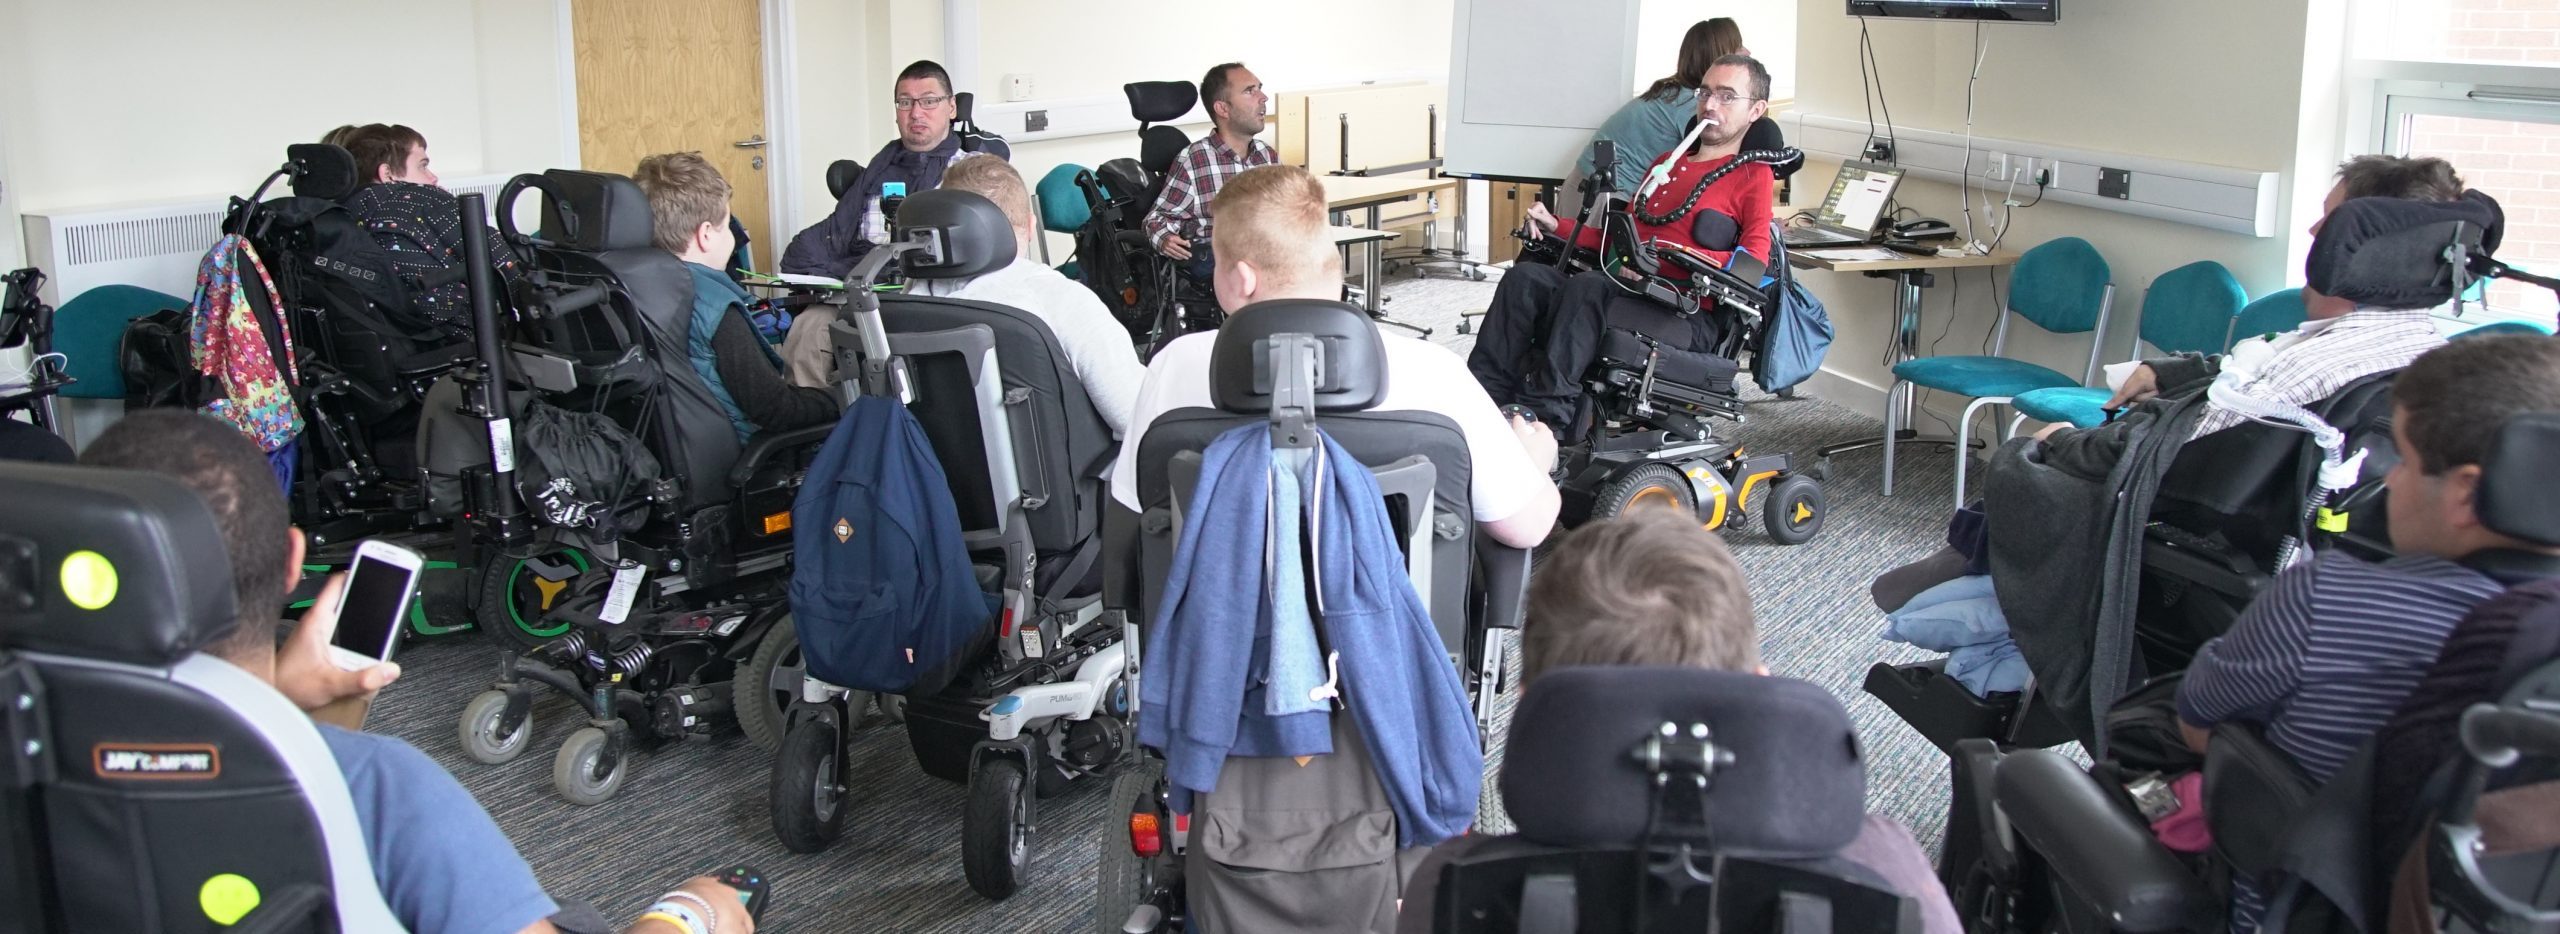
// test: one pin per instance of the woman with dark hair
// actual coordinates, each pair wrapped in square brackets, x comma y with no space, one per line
[1652,123]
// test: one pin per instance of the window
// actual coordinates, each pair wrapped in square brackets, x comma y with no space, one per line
[2507,32]
[2507,145]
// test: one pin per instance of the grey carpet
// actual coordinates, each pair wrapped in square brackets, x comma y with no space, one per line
[701,804]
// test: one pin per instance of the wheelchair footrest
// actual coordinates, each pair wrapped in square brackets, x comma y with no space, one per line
[1945,712]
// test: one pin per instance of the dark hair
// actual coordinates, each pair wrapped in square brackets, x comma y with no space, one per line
[379,148]
[2454,399]
[1214,85]
[2425,178]
[226,469]
[1650,587]
[1706,41]
[924,68]
[1759,73]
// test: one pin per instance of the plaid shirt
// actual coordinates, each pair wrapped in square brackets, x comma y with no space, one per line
[2310,365]
[1194,179]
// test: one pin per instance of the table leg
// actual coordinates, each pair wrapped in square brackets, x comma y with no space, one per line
[1900,399]
[1371,272]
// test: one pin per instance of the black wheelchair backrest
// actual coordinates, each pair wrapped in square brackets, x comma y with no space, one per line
[2517,497]
[110,564]
[975,235]
[594,212]
[1351,372]
[1751,763]
[322,170]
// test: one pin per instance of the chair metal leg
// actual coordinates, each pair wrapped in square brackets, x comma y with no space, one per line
[1964,450]
[1893,428]
[2014,425]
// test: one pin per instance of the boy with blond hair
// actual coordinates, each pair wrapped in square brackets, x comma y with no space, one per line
[689,217]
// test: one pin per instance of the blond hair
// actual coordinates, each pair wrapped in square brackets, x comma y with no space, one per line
[685,192]
[996,179]
[1273,217]
[1650,587]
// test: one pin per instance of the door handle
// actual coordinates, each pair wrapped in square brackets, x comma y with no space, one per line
[753,142]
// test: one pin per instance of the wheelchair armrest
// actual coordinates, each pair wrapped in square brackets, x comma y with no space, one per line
[1504,573]
[2253,795]
[1123,579]
[764,446]
[2099,851]
[434,361]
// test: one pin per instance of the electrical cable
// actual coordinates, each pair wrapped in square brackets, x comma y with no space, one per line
[1866,82]
[1964,176]
[1869,67]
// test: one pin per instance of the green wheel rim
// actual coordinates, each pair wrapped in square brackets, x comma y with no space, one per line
[515,611]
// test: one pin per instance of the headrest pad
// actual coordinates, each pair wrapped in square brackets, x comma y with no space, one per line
[322,170]
[1159,101]
[1795,786]
[612,213]
[1352,375]
[2390,252]
[977,238]
[2517,497]
[118,565]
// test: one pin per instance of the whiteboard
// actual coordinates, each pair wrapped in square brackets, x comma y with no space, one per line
[1529,80]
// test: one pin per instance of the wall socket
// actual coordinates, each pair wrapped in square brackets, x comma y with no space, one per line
[1017,88]
[1034,121]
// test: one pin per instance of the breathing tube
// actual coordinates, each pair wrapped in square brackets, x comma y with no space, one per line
[2338,469]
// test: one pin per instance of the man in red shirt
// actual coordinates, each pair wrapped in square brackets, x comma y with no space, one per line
[1544,328]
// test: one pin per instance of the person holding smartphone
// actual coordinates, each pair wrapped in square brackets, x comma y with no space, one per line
[442,864]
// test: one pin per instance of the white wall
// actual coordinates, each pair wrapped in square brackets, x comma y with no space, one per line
[2138,78]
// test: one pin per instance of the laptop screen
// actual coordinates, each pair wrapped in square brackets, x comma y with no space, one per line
[1858,195]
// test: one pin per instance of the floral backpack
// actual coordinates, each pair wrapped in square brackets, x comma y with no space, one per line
[246,349]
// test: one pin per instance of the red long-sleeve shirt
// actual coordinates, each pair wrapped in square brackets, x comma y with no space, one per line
[1743,194]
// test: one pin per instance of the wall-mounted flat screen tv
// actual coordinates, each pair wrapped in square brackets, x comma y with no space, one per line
[2002,11]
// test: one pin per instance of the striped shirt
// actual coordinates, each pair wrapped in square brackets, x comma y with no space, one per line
[2330,650]
[1193,181]
[2313,363]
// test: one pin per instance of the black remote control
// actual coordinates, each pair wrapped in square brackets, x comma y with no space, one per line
[1519,410]
[753,889]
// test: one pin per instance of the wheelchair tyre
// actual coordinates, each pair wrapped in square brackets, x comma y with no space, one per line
[808,792]
[513,599]
[1124,876]
[763,692]
[1793,511]
[995,831]
[573,771]
[479,732]
[1641,486]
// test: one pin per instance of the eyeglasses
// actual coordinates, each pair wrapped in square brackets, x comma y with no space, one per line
[928,103]
[1724,98]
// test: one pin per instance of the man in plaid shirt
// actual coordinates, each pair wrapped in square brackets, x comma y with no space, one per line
[1180,217]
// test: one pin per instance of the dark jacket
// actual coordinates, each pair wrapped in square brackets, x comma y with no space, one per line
[740,368]
[1396,678]
[420,229]
[830,247]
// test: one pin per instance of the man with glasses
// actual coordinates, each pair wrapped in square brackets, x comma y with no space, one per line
[923,108]
[1179,223]
[1544,327]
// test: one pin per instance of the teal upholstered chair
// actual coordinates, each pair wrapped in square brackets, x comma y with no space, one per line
[1062,205]
[2273,313]
[2063,287]
[2504,327]
[2189,309]
[88,330]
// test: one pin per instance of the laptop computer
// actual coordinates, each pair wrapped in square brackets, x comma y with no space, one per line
[1853,208]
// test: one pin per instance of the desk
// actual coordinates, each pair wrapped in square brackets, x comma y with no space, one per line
[1910,275]
[1346,193]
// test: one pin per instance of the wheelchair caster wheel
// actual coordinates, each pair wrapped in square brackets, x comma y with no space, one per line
[995,832]
[483,737]
[578,773]
[1794,510]
[1820,471]
[808,791]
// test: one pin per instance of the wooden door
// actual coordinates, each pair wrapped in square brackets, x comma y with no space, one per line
[1510,207]
[675,76]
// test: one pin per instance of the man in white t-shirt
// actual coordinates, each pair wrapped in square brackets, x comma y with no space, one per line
[1271,245]
[1096,345]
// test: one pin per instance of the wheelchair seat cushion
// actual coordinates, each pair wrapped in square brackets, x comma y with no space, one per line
[1795,785]
[1979,377]
[1703,371]
[2079,406]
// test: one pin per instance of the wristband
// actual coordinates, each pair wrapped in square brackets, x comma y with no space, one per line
[674,914]
[710,916]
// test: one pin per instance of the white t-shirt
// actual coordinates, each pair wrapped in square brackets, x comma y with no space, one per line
[1096,345]
[1421,377]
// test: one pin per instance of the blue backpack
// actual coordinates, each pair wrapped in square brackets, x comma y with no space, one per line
[882,592]
[1798,331]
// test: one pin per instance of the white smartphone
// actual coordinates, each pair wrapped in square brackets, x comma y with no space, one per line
[373,603]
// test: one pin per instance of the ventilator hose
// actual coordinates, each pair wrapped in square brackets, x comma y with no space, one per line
[1761,156]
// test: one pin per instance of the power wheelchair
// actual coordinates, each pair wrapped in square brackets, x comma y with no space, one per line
[1648,404]
[1145,288]
[1699,800]
[151,787]
[640,597]
[1039,702]
[1298,365]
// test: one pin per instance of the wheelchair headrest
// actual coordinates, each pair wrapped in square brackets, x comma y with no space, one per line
[1160,101]
[322,170]
[2517,498]
[117,565]
[612,213]
[1351,374]
[1785,777]
[976,236]
[1122,178]
[841,174]
[2392,252]
[1063,208]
